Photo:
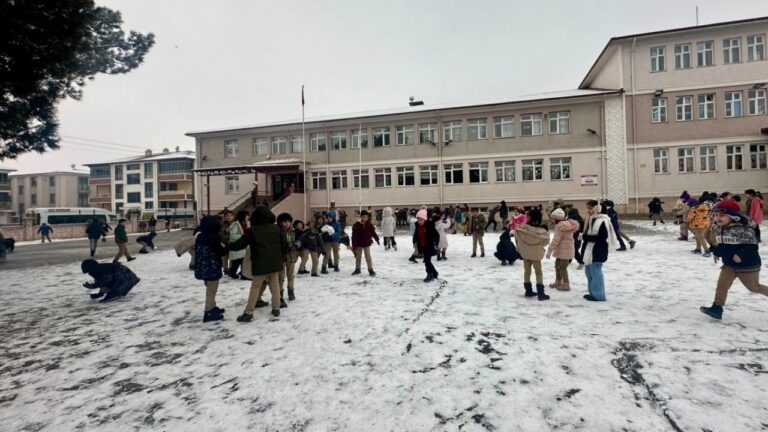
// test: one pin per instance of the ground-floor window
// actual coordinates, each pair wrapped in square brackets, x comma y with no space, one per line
[360,179]
[339,179]
[560,168]
[478,172]
[660,161]
[454,173]
[405,176]
[382,177]
[685,159]
[708,158]
[757,155]
[734,158]
[428,175]
[533,169]
[319,181]
[232,184]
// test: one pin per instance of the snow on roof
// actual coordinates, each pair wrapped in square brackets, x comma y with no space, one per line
[562,94]
[184,154]
[76,171]
[2,168]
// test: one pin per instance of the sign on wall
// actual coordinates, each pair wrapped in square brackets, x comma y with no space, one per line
[589,180]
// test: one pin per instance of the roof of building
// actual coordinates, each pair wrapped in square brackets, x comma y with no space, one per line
[563,94]
[664,32]
[76,171]
[184,154]
[2,168]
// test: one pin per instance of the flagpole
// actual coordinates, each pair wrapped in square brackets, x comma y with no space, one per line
[304,153]
[360,169]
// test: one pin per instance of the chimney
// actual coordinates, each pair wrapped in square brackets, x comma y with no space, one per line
[148,153]
[73,167]
[413,102]
[165,150]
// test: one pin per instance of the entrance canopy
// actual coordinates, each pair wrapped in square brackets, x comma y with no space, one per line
[265,167]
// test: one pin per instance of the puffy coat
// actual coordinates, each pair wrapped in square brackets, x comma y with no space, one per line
[148,239]
[755,210]
[517,221]
[441,227]
[429,247]
[95,230]
[363,234]
[505,249]
[113,276]
[336,237]
[562,245]
[698,216]
[268,245]
[235,232]
[120,234]
[44,229]
[531,241]
[312,240]
[208,250]
[477,225]
[387,223]
[738,238]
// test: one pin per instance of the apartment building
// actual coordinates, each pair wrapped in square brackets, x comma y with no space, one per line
[48,189]
[6,203]
[144,184]
[695,108]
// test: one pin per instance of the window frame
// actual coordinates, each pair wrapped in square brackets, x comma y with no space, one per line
[657,112]
[728,52]
[402,134]
[358,137]
[338,140]
[450,170]
[297,139]
[751,48]
[136,179]
[708,159]
[403,174]
[658,58]
[433,175]
[499,122]
[734,158]
[133,197]
[481,168]
[260,146]
[564,164]
[754,102]
[701,53]
[683,161]
[386,175]
[149,170]
[149,190]
[758,158]
[533,119]
[661,161]
[319,180]
[317,140]
[479,125]
[384,134]
[708,106]
[682,55]
[558,117]
[501,167]
[729,103]
[361,178]
[532,165]
[431,130]
[231,149]
[279,145]
[339,180]
[231,185]
[451,129]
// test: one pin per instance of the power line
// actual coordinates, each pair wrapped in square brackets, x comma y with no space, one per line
[102,142]
[98,148]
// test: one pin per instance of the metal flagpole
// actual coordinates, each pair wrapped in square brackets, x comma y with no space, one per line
[304,154]
[360,169]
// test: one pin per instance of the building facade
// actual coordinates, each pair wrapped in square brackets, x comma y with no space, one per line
[48,189]
[6,202]
[144,184]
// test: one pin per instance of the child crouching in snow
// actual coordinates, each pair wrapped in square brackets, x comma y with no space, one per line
[113,280]
[506,252]
[562,247]
[208,252]
[736,245]
[598,235]
[146,241]
[532,238]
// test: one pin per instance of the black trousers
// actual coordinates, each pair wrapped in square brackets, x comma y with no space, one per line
[428,254]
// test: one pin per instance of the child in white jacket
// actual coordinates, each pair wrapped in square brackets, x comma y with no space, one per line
[388,228]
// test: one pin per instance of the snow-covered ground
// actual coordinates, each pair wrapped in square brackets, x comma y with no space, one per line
[390,353]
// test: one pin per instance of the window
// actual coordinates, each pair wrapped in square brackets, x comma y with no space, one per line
[505,171]
[428,175]
[82,200]
[33,182]
[404,135]
[21,192]
[232,184]
[175,167]
[33,199]
[683,56]
[504,127]
[319,181]
[454,173]
[339,179]
[478,172]
[706,106]
[757,156]
[148,170]
[381,137]
[559,122]
[133,179]
[756,102]
[533,169]
[338,140]
[4,178]
[260,146]
[704,53]
[149,205]
[82,184]
[317,141]
[657,59]
[232,149]
[476,129]
[382,177]
[734,157]
[685,160]
[134,197]
[658,110]
[118,191]
[560,168]
[52,199]
[684,108]
[118,173]
[51,182]
[405,176]
[452,131]
[279,145]
[427,133]
[164,187]
[530,124]
[100,171]
[5,198]
[133,167]
[731,50]
[360,179]
[756,47]
[660,161]
[733,104]
[297,144]
[149,190]
[359,137]
[708,158]
[169,204]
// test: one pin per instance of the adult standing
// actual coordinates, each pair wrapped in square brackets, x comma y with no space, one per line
[503,213]
[45,230]
[152,223]
[121,239]
[94,231]
[596,239]
[492,217]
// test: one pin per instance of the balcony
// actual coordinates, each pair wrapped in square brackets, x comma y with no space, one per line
[99,181]
[175,196]
[100,199]
[176,177]
[5,205]
[5,186]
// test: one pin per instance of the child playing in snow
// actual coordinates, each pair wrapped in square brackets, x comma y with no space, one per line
[574,215]
[506,252]
[312,242]
[655,210]
[477,229]
[562,247]
[518,218]
[285,221]
[755,210]
[442,226]
[736,244]
[532,238]
[698,221]
[425,238]
[146,242]
[112,280]
[363,234]
[332,241]
[298,229]
[388,228]
[597,237]
[209,249]
[121,239]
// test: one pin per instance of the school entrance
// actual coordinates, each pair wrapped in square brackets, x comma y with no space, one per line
[281,183]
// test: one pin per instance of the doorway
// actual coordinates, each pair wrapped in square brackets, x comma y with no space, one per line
[281,181]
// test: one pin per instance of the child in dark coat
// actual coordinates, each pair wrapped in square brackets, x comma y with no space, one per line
[146,241]
[208,252]
[312,242]
[426,238]
[113,280]
[506,251]
[363,234]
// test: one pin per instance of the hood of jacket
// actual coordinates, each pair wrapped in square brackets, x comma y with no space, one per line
[567,226]
[89,266]
[387,212]
[209,224]
[532,235]
[262,216]
[332,214]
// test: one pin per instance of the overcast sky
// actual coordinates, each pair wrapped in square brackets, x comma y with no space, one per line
[240,62]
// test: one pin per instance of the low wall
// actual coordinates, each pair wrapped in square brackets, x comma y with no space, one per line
[28,231]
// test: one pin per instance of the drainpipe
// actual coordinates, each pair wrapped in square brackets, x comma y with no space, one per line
[603,151]
[634,123]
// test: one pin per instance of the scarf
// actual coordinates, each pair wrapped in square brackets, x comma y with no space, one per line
[594,228]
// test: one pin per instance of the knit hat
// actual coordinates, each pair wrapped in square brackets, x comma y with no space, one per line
[728,207]
[557,214]
[684,196]
[422,214]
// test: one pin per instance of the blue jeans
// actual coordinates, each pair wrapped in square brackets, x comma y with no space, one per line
[595,282]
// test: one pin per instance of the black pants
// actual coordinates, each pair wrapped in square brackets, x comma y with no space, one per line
[431,270]
[579,257]
[389,241]
[757,233]
[493,222]
[234,267]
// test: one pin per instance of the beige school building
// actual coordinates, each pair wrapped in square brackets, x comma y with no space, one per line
[658,113]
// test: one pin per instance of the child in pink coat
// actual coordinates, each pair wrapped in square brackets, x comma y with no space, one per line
[518,218]
[562,247]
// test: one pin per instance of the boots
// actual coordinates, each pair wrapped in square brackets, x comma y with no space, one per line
[283,304]
[356,272]
[528,289]
[555,285]
[291,296]
[413,259]
[540,292]
[564,286]
[371,272]
[324,270]
[261,303]
[212,315]
[444,258]
[716,311]
[336,268]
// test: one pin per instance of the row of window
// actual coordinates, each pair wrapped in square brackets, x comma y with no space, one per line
[167,167]
[705,53]
[149,190]
[477,129]
[33,199]
[705,104]
[734,158]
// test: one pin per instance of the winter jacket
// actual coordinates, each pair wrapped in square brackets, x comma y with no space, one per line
[208,250]
[684,212]
[292,254]
[737,238]
[755,210]
[598,235]
[363,234]
[531,241]
[477,225]
[492,214]
[614,219]
[458,216]
[235,232]
[442,227]
[504,212]
[505,249]
[517,221]
[336,237]
[147,239]
[45,229]
[562,245]
[431,238]
[186,245]
[654,207]
[95,230]
[312,240]
[113,276]
[268,246]
[224,231]
[120,235]
[698,216]
[387,223]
